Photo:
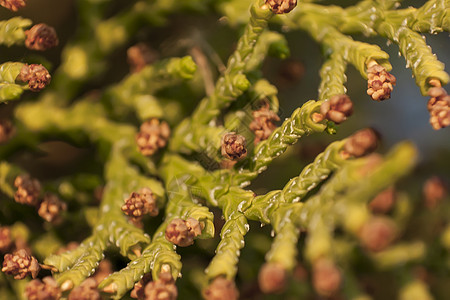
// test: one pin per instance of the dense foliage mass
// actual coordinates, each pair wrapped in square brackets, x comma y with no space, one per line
[151,196]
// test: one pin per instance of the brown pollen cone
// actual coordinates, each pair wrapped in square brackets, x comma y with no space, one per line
[41,37]
[47,289]
[272,278]
[140,55]
[28,190]
[20,264]
[51,208]
[182,233]
[337,108]
[377,233]
[383,202]
[152,136]
[37,76]
[140,204]
[227,164]
[439,108]
[5,239]
[371,163]
[98,193]
[87,290]
[434,191]
[221,289]
[300,273]
[380,83]
[326,277]
[162,289]
[281,6]
[263,123]
[13,5]
[6,130]
[361,143]
[233,146]
[21,243]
